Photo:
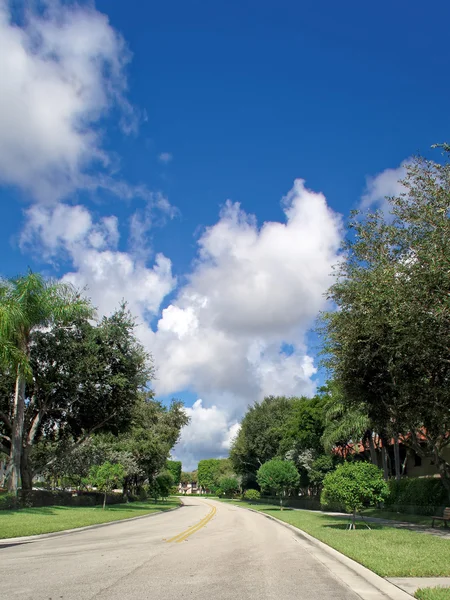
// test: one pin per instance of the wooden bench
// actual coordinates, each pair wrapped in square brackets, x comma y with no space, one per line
[445,517]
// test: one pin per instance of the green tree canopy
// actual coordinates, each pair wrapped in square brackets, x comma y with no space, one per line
[27,304]
[210,471]
[262,431]
[106,477]
[229,485]
[388,344]
[353,485]
[174,466]
[86,378]
[278,476]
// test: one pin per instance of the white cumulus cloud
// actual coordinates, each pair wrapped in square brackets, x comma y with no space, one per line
[109,275]
[62,71]
[383,185]
[209,434]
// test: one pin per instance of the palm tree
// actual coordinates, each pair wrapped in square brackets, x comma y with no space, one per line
[27,303]
[346,424]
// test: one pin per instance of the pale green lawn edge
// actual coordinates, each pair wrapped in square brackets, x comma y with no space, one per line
[387,551]
[52,519]
[436,593]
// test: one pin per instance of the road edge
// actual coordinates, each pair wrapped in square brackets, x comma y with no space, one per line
[355,576]
[44,536]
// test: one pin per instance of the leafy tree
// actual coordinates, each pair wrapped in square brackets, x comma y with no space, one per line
[279,477]
[388,344]
[86,378]
[260,436]
[154,430]
[229,485]
[174,466]
[29,303]
[210,471]
[188,477]
[106,477]
[353,485]
[161,485]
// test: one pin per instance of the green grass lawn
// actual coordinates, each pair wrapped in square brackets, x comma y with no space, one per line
[48,519]
[394,516]
[387,551]
[433,594]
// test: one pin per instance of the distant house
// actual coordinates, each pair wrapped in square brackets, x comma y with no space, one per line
[188,488]
[412,464]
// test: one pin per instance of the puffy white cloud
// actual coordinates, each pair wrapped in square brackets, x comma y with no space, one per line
[165,157]
[109,275]
[251,291]
[209,434]
[62,72]
[384,184]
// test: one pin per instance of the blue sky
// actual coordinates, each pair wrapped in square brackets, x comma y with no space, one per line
[126,127]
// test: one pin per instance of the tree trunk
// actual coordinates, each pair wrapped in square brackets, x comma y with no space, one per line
[384,461]
[281,502]
[373,452]
[398,467]
[354,519]
[104,501]
[26,471]
[17,433]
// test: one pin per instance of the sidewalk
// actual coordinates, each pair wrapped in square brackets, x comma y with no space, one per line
[412,584]
[441,532]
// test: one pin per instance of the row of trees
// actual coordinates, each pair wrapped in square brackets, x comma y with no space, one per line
[74,391]
[287,428]
[388,342]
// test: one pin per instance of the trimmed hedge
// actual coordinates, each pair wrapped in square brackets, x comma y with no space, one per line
[38,498]
[417,495]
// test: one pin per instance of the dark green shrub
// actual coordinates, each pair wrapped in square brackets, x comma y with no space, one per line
[417,495]
[8,502]
[252,495]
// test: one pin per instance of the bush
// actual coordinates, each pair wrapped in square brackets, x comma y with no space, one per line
[39,498]
[228,485]
[252,495]
[354,485]
[8,502]
[424,495]
[219,492]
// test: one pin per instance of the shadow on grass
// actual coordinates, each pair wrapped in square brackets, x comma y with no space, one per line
[58,510]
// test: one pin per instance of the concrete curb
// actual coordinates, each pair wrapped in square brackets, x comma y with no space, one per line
[361,580]
[43,536]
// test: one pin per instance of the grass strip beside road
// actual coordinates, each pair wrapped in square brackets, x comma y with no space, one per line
[387,551]
[50,519]
[436,593]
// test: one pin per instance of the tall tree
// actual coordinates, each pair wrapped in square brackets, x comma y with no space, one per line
[389,343]
[29,303]
[211,470]
[262,431]
[174,466]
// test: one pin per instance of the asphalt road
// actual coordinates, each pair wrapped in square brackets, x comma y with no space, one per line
[206,550]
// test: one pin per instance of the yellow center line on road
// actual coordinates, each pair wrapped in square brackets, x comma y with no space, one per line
[194,528]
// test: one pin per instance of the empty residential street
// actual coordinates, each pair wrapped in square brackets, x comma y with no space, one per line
[205,550]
